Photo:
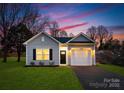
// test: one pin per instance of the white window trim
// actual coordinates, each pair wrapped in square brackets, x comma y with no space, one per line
[43,54]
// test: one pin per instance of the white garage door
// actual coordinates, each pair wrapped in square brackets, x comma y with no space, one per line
[81,57]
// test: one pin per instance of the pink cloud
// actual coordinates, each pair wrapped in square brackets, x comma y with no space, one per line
[87,13]
[58,15]
[73,26]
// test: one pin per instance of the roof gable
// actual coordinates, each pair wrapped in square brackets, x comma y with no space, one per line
[81,38]
[26,42]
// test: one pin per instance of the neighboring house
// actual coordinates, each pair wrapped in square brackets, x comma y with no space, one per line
[77,51]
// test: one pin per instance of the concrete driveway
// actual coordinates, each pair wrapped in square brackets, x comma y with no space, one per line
[95,78]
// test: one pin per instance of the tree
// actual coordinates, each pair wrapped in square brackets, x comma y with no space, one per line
[40,24]
[71,35]
[122,48]
[7,19]
[54,29]
[92,33]
[17,36]
[11,15]
[102,34]
[63,34]
[116,45]
[122,45]
[108,42]
[118,58]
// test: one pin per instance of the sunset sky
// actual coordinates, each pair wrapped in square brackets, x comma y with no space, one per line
[75,18]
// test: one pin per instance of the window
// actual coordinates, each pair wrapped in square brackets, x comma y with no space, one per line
[62,52]
[45,54]
[42,54]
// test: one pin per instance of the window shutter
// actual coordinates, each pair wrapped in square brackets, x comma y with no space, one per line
[51,54]
[34,54]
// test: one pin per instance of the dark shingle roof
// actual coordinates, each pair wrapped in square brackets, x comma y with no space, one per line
[63,39]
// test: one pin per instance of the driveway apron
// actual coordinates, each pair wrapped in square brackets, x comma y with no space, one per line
[95,78]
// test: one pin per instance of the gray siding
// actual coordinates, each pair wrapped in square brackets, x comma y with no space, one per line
[81,38]
[37,43]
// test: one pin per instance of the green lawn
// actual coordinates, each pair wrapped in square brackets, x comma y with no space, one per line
[14,75]
[112,68]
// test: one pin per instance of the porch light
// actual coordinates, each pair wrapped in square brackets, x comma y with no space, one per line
[93,52]
[69,52]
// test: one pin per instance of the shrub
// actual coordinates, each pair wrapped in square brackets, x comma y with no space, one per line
[41,63]
[51,63]
[104,57]
[32,63]
[109,57]
[118,60]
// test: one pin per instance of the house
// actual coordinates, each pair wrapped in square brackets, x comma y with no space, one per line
[76,51]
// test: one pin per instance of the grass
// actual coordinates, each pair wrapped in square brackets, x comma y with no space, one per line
[14,76]
[112,68]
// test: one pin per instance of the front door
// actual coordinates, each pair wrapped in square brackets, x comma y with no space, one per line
[62,57]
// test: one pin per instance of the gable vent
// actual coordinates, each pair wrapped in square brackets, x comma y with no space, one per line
[42,39]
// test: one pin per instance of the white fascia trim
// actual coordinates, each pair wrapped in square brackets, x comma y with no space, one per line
[25,43]
[79,35]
